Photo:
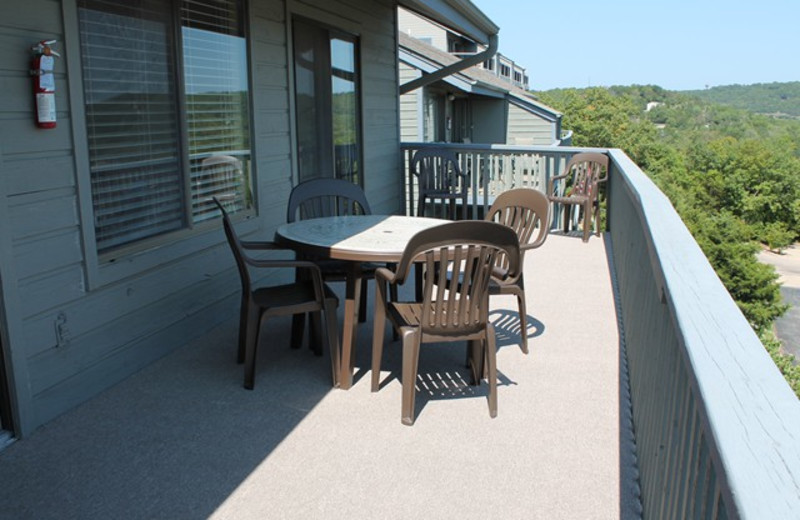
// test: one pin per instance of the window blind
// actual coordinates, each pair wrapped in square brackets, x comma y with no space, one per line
[136,125]
[132,123]
[217,110]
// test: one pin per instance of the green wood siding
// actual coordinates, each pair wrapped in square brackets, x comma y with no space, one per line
[122,316]
[527,128]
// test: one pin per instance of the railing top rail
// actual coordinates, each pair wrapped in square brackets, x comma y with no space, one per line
[751,414]
[502,148]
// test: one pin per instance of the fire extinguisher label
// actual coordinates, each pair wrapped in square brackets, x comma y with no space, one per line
[47,80]
[46,108]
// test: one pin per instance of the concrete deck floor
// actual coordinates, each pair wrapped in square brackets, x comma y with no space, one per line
[183,439]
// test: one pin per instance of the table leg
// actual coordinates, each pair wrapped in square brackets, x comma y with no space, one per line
[350,325]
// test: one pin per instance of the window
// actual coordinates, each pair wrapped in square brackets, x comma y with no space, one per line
[327,102]
[167,114]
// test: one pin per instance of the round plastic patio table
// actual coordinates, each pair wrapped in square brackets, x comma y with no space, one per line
[355,239]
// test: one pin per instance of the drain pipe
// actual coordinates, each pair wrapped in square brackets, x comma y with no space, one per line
[427,79]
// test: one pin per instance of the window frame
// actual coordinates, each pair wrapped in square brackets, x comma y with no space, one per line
[132,259]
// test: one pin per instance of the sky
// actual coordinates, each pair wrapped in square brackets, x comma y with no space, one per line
[677,44]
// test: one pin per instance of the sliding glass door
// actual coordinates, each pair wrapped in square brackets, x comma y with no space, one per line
[327,102]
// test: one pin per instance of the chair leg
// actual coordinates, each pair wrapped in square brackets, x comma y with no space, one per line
[587,221]
[491,363]
[523,319]
[393,297]
[378,328]
[475,361]
[315,339]
[411,342]
[418,275]
[253,326]
[333,339]
[596,207]
[566,209]
[242,332]
[298,326]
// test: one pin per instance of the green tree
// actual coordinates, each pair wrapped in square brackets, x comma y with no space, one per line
[728,173]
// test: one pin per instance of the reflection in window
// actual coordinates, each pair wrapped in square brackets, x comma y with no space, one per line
[139,121]
[217,110]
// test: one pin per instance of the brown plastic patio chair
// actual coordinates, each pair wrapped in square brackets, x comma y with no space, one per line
[439,178]
[579,185]
[470,251]
[307,295]
[527,212]
[325,198]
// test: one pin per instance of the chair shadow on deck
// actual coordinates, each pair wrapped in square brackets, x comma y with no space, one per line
[507,327]
[443,374]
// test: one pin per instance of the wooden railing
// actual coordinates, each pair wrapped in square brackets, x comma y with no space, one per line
[717,428]
[492,169]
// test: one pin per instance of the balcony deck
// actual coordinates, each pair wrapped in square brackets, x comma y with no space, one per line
[183,439]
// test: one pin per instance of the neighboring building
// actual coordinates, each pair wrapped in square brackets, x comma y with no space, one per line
[442,38]
[447,110]
[109,255]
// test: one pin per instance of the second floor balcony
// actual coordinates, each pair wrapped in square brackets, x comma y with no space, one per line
[645,394]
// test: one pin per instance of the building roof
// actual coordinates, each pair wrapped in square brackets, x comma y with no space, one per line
[474,79]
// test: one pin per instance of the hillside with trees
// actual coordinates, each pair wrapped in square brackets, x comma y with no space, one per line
[732,176]
[775,99]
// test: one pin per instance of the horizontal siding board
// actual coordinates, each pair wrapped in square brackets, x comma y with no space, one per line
[273,122]
[52,290]
[269,31]
[42,216]
[270,54]
[39,173]
[21,136]
[112,302]
[368,13]
[270,99]
[41,16]
[268,75]
[273,145]
[273,10]
[48,254]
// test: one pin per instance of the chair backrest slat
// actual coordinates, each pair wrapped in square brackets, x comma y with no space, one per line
[436,169]
[527,212]
[456,291]
[587,168]
[326,198]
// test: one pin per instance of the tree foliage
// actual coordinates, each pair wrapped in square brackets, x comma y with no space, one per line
[778,99]
[731,175]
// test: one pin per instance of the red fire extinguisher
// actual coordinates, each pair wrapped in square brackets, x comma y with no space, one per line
[44,83]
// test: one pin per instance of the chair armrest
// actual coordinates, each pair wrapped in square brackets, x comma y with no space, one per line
[499,273]
[551,184]
[261,245]
[385,275]
[315,271]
